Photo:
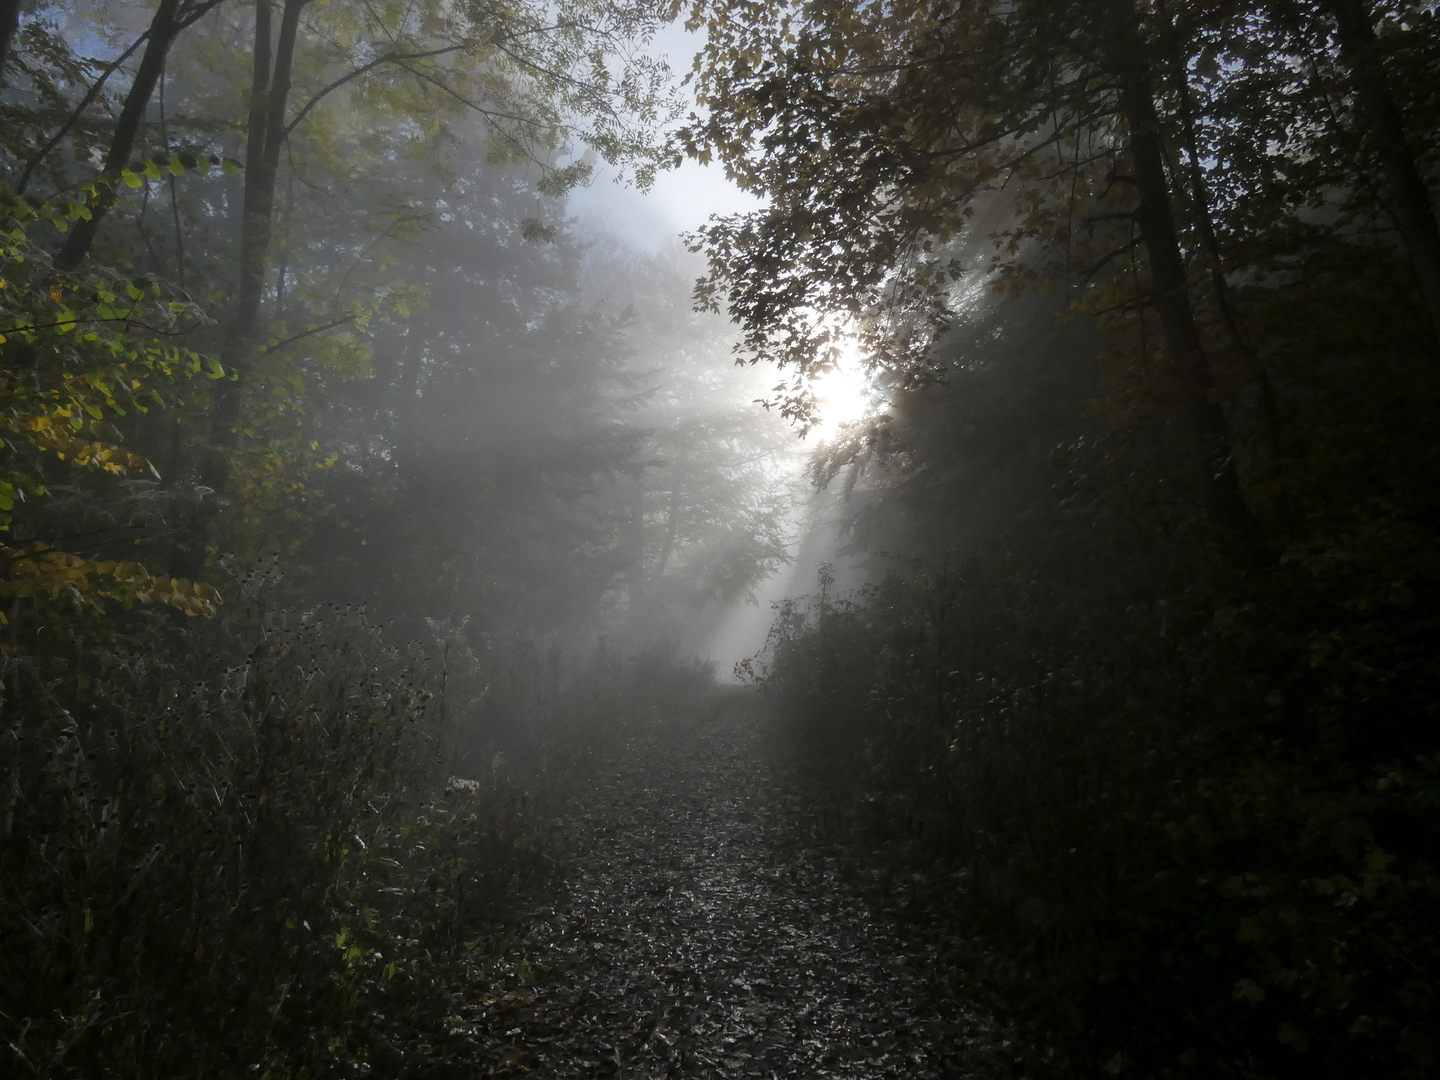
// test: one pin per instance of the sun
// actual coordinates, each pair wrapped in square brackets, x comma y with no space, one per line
[844,395]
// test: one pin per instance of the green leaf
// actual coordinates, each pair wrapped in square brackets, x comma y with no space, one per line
[131,179]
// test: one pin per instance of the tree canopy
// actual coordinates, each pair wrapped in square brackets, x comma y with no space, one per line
[1174,172]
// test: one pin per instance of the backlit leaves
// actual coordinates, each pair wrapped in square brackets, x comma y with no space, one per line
[81,350]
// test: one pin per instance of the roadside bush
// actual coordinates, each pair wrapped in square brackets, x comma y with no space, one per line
[1187,835]
[227,848]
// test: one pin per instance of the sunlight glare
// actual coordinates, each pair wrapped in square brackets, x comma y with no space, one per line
[844,396]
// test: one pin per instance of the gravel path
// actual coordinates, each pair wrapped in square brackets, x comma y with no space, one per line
[706,936]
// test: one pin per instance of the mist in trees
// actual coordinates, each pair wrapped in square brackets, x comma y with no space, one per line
[338,459]
[1151,700]
[362,502]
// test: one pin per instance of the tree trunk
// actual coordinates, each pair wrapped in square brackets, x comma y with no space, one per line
[9,22]
[164,28]
[1205,227]
[270,92]
[1169,294]
[1199,190]
[1404,188]
[269,96]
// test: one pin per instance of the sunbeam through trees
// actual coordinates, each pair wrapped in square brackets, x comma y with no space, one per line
[702,538]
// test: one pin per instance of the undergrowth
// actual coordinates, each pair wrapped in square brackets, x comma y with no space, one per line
[280,843]
[1184,836]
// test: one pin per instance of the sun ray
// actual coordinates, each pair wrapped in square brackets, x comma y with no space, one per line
[844,394]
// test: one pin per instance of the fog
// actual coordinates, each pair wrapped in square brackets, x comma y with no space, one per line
[622,224]
[615,539]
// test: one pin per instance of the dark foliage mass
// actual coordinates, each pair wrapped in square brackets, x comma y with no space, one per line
[1162,736]
[222,852]
[360,512]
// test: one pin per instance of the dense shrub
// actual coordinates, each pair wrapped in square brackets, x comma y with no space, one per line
[1188,836]
[228,848]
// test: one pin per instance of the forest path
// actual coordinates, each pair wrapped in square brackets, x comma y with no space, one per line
[705,935]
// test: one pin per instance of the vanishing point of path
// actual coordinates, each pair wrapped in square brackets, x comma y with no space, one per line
[707,935]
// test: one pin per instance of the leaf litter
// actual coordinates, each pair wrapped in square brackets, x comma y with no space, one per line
[704,934]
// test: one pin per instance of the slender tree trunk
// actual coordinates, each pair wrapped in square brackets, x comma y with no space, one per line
[258,108]
[1229,317]
[1199,190]
[1169,293]
[270,93]
[1205,226]
[1404,188]
[269,96]
[164,28]
[9,23]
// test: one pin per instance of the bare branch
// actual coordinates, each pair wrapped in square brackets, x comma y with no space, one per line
[302,335]
[388,58]
[74,117]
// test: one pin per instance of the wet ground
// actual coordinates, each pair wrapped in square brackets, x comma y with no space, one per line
[707,934]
